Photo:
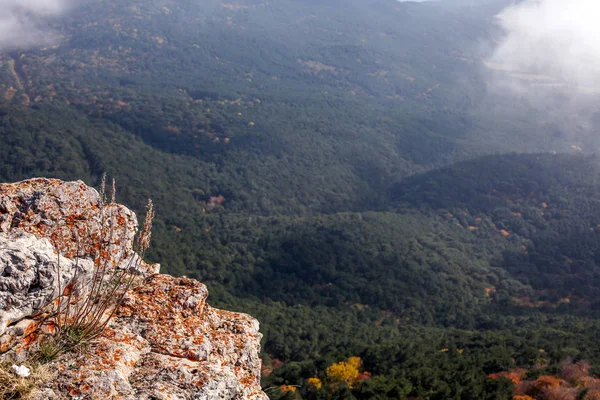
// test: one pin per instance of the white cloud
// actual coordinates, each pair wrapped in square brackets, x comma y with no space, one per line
[551,42]
[22,22]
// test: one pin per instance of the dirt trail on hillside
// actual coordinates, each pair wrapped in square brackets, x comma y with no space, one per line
[13,72]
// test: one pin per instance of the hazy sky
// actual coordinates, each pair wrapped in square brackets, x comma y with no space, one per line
[21,21]
[558,38]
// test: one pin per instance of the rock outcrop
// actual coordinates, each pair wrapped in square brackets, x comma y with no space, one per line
[164,341]
[28,281]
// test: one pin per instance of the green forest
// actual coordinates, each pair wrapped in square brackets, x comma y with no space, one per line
[338,181]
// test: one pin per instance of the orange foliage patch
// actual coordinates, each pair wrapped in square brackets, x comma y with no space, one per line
[576,374]
[215,201]
[315,383]
[561,393]
[547,381]
[173,129]
[514,376]
[363,376]
[593,395]
[355,362]
[568,385]
[345,371]
[286,388]
[490,290]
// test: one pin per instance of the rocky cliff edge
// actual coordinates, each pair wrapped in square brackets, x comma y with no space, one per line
[164,341]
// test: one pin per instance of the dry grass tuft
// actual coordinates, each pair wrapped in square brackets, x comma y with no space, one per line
[85,306]
[13,387]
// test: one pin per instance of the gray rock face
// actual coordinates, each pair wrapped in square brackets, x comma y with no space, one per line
[71,215]
[164,341]
[161,346]
[29,269]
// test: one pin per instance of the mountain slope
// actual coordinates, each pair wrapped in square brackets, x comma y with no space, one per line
[238,86]
[362,276]
[307,162]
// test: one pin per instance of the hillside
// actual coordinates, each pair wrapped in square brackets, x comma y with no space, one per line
[437,258]
[546,206]
[331,168]
[243,88]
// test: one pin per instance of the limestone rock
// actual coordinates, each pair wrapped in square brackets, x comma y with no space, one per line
[46,208]
[70,214]
[164,342]
[29,270]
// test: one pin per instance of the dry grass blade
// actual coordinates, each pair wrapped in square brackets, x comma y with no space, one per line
[86,304]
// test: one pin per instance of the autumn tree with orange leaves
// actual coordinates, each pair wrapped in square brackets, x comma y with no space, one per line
[572,383]
[344,371]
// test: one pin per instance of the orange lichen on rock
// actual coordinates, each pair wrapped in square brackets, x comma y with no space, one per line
[164,340]
[71,215]
[167,339]
[54,209]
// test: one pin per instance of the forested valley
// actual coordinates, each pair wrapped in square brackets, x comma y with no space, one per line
[336,170]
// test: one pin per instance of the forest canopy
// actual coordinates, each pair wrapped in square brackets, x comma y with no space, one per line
[337,180]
